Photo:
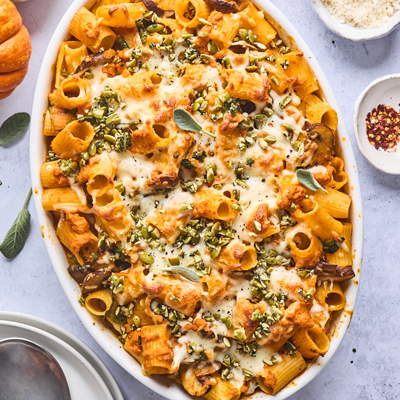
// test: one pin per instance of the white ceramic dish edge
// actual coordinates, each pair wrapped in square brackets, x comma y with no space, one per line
[97,386]
[358,130]
[105,339]
[350,32]
[71,340]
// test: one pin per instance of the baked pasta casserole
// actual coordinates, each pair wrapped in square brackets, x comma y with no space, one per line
[196,184]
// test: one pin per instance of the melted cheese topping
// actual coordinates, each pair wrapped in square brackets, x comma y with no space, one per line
[173,183]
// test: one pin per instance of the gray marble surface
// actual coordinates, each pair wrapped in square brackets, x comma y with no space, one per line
[367,364]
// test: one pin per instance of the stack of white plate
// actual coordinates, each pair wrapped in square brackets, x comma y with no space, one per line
[86,374]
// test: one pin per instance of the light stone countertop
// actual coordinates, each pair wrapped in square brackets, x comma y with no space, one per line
[367,364]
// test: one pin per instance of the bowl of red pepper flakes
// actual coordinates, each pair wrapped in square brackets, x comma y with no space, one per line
[383,127]
[377,123]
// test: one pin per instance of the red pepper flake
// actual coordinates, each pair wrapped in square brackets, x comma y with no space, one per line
[383,127]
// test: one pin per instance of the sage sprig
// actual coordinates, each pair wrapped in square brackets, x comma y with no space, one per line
[14,127]
[16,237]
[307,179]
[186,122]
[185,272]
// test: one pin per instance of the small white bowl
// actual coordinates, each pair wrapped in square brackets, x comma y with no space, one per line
[385,90]
[351,32]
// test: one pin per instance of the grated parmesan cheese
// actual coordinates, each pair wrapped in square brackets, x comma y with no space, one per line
[362,13]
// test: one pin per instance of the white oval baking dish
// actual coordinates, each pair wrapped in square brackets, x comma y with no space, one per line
[104,337]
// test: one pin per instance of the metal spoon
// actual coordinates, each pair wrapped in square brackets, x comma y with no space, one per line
[27,371]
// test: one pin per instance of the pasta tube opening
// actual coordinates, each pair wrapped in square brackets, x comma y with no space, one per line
[81,131]
[302,241]
[188,12]
[223,210]
[320,339]
[104,200]
[334,299]
[99,182]
[98,303]
[329,118]
[161,131]
[311,342]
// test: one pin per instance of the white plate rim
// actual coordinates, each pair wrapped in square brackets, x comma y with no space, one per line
[66,348]
[357,128]
[106,340]
[71,340]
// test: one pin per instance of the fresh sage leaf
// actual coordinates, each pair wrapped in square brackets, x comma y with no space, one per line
[16,237]
[307,179]
[14,127]
[185,272]
[186,122]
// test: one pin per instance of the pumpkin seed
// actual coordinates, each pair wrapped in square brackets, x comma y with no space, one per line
[252,38]
[257,226]
[215,252]
[174,260]
[145,232]
[236,207]
[92,149]
[155,233]
[212,47]
[267,362]
[227,321]
[261,46]
[120,187]
[263,144]
[204,22]
[248,373]
[243,33]
[146,257]
[268,112]
[242,183]
[136,321]
[274,80]
[239,334]
[110,139]
[260,117]
[226,61]
[213,167]
[285,101]
[252,68]
[215,228]
[210,175]
[217,316]
[88,75]
[155,28]
[270,139]
[288,127]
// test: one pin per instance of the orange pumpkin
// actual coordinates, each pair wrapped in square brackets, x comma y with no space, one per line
[15,48]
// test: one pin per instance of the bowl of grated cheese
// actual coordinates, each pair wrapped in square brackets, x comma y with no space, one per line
[359,20]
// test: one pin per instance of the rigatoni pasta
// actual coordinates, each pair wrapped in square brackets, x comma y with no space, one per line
[195,241]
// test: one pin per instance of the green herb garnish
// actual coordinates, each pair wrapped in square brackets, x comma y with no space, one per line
[14,127]
[16,237]
[330,246]
[186,122]
[307,179]
[185,272]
